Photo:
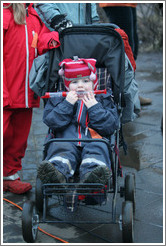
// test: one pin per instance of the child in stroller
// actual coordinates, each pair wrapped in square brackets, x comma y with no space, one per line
[80,115]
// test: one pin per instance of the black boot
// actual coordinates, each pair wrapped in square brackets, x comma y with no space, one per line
[100,174]
[49,174]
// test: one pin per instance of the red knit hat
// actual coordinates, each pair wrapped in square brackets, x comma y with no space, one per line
[78,68]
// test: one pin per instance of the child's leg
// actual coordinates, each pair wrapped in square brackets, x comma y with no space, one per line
[64,157]
[95,161]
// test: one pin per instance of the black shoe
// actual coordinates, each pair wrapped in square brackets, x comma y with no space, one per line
[99,175]
[49,174]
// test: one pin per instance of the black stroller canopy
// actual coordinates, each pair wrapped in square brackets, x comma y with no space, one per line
[99,41]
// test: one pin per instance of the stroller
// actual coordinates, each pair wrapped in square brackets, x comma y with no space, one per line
[103,43]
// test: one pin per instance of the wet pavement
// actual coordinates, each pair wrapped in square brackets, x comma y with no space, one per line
[145,158]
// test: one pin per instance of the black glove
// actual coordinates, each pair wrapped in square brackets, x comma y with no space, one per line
[59,22]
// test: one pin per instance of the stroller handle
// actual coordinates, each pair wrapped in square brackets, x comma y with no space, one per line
[64,93]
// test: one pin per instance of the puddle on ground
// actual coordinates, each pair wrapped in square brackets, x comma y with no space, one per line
[132,159]
[158,89]
[157,75]
[151,75]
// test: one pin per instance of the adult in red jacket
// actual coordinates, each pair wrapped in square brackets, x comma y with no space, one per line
[24,37]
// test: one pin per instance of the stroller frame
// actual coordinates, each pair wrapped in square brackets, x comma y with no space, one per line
[30,216]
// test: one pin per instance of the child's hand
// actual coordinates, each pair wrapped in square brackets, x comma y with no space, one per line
[89,99]
[72,97]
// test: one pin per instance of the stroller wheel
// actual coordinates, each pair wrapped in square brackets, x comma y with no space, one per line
[30,222]
[127,222]
[130,189]
[39,195]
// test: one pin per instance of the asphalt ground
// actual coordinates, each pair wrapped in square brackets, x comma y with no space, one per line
[144,139]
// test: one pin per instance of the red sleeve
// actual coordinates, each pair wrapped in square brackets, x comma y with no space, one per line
[6,98]
[44,39]
[6,18]
[127,47]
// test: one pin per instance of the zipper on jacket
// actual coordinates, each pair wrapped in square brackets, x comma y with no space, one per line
[78,120]
[27,67]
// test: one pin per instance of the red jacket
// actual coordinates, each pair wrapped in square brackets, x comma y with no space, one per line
[18,56]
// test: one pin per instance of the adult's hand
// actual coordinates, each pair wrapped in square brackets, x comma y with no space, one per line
[59,22]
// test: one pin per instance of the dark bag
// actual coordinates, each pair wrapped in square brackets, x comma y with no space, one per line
[39,73]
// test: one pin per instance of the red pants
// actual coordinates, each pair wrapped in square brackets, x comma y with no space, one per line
[16,127]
